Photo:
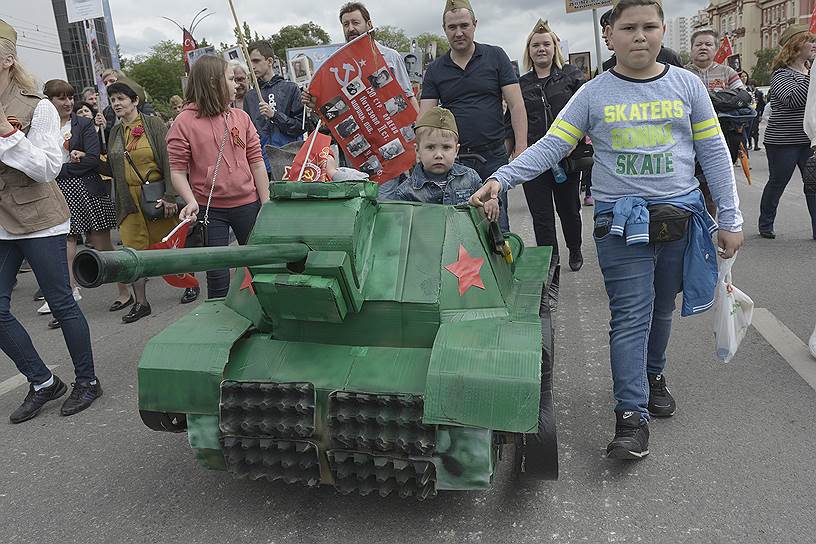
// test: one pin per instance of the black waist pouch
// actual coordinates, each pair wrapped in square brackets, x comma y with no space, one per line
[667,223]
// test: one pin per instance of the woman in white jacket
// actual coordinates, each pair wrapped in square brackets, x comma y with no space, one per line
[34,222]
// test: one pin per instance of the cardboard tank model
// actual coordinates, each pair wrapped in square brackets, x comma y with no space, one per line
[377,348]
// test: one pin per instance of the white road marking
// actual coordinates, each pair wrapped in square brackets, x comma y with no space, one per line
[13,383]
[787,344]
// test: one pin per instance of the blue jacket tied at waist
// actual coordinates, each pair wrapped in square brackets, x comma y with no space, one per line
[630,218]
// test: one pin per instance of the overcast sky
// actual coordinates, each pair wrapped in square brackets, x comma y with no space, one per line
[506,23]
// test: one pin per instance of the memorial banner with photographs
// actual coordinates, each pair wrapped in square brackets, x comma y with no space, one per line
[366,109]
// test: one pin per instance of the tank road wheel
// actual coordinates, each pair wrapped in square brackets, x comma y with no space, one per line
[536,454]
[162,421]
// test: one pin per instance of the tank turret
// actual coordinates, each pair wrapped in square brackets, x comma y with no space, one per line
[390,348]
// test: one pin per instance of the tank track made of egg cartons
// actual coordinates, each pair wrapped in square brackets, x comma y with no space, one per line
[378,444]
[265,429]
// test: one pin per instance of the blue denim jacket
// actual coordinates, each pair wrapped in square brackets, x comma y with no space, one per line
[462,182]
[700,262]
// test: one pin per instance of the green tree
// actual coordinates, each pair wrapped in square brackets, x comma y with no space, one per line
[762,70]
[685,57]
[160,72]
[298,36]
[442,45]
[393,37]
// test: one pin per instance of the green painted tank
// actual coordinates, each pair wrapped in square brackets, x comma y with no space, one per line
[375,347]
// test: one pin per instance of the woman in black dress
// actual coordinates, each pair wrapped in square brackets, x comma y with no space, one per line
[92,211]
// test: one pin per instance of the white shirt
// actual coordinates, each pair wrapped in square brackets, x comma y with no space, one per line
[39,156]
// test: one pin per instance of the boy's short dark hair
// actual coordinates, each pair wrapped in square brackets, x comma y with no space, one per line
[705,32]
[263,47]
[623,5]
[355,6]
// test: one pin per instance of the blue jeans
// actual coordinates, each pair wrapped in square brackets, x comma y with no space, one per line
[493,160]
[242,221]
[642,283]
[49,262]
[782,159]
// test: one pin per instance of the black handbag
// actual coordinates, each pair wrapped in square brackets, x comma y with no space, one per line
[152,192]
[809,175]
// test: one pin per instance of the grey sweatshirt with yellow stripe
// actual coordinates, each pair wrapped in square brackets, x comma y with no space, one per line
[646,135]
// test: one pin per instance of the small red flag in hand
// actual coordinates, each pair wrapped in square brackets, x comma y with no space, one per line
[724,51]
[315,169]
[176,240]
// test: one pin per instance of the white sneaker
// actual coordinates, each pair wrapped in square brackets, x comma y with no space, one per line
[813,343]
[44,309]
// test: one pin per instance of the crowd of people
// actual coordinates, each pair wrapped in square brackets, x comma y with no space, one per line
[69,170]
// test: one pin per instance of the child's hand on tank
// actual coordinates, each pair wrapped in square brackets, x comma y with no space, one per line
[491,209]
[730,243]
[488,191]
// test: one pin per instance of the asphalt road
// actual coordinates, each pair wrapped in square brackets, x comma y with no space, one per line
[735,464]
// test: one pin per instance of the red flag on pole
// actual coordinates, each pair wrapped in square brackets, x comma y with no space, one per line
[176,240]
[189,44]
[813,19]
[315,167]
[724,51]
[366,109]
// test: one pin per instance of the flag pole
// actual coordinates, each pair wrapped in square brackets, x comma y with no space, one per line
[309,149]
[243,45]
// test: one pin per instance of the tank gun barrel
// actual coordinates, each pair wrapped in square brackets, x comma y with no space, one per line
[93,268]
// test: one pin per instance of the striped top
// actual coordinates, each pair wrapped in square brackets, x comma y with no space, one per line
[788,96]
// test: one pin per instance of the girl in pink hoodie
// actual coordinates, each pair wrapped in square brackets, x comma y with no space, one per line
[230,191]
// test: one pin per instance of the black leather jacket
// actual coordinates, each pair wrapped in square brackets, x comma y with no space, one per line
[545,98]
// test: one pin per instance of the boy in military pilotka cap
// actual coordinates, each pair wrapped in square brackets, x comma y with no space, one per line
[437,178]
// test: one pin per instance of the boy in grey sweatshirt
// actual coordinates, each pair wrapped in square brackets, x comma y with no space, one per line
[647,122]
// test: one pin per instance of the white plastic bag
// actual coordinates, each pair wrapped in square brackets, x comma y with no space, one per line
[732,313]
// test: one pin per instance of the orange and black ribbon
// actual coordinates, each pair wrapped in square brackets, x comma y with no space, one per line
[14,122]
[236,138]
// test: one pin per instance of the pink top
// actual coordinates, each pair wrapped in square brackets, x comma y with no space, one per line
[192,145]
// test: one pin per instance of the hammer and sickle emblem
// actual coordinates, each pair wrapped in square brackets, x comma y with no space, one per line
[663,234]
[350,72]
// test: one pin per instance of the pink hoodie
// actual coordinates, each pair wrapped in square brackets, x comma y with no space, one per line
[192,145]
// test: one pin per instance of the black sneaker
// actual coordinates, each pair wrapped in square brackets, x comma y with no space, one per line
[631,437]
[661,402]
[83,395]
[35,400]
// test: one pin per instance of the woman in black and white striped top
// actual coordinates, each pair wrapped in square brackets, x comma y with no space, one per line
[786,143]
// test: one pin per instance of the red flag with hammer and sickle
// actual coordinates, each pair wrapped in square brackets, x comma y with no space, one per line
[366,109]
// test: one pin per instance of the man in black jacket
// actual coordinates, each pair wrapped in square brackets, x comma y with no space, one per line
[278,114]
